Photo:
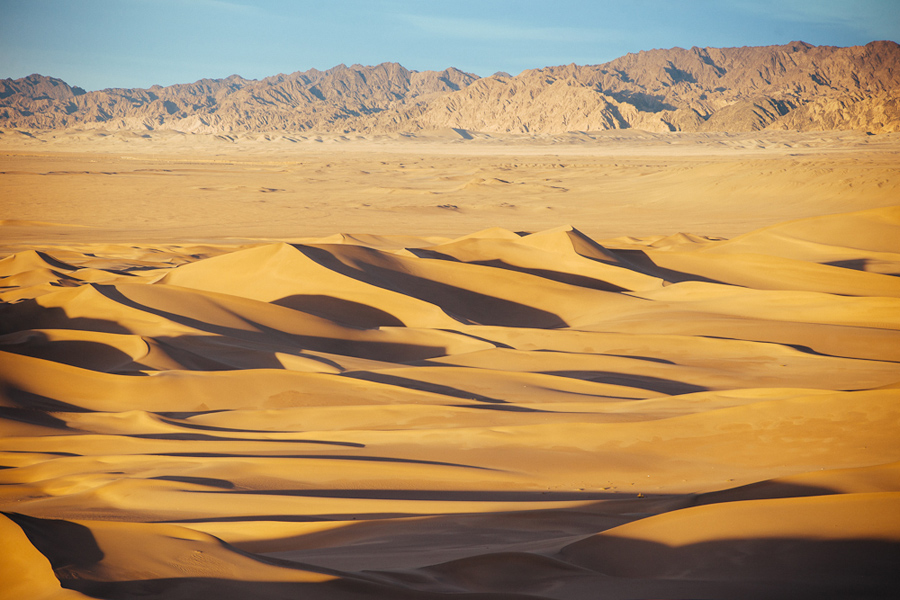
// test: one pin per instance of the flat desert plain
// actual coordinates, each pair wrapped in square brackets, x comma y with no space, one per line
[451,365]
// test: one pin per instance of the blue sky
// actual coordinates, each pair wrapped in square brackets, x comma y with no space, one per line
[137,43]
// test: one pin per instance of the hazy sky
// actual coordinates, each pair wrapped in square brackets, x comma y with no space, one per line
[137,43]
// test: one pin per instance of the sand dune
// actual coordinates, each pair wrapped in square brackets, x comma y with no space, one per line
[496,415]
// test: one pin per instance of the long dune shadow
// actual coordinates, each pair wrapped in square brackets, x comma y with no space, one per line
[441,495]
[645,382]
[422,386]
[30,401]
[47,452]
[167,418]
[341,457]
[653,359]
[432,254]
[187,414]
[322,518]
[762,490]
[558,276]
[465,305]
[196,353]
[799,348]
[643,263]
[202,437]
[55,262]
[861,264]
[346,312]
[207,481]
[504,408]
[259,518]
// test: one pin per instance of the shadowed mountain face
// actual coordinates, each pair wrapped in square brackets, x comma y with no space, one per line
[796,86]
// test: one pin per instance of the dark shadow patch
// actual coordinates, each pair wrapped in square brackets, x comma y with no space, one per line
[187,425]
[644,264]
[202,437]
[189,414]
[32,417]
[47,452]
[432,254]
[254,519]
[653,359]
[440,495]
[28,314]
[558,276]
[31,401]
[843,568]
[55,263]
[704,56]
[762,490]
[856,264]
[207,481]
[385,459]
[347,312]
[84,354]
[502,408]
[862,264]
[192,353]
[645,382]
[679,76]
[479,338]
[422,386]
[799,348]
[66,545]
[640,100]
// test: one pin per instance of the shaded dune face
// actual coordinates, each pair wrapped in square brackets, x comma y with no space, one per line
[503,415]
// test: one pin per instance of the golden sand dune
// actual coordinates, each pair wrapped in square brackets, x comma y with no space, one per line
[499,415]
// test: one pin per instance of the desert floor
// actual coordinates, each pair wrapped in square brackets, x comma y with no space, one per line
[614,366]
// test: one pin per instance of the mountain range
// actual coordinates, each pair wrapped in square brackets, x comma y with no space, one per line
[795,86]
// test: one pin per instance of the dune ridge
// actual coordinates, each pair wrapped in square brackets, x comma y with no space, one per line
[497,415]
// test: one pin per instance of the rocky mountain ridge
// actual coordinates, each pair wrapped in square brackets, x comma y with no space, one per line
[796,86]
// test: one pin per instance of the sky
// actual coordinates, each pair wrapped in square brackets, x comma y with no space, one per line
[95,44]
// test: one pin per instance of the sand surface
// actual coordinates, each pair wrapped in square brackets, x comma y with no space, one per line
[628,366]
